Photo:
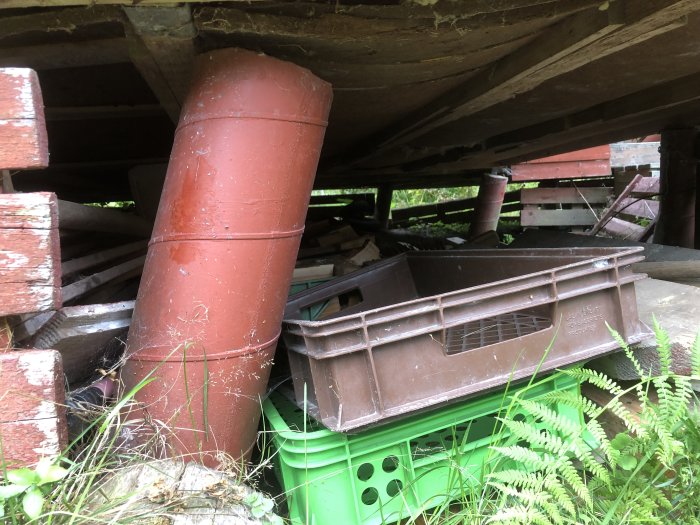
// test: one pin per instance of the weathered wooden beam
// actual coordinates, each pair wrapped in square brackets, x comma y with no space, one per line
[566,46]
[23,138]
[74,216]
[620,229]
[640,21]
[13,4]
[53,22]
[90,261]
[669,270]
[549,55]
[640,112]
[84,286]
[102,112]
[642,104]
[32,412]
[471,7]
[400,180]
[66,54]
[162,49]
[29,253]
[312,21]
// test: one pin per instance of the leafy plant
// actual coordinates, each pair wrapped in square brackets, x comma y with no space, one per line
[30,487]
[261,507]
[575,473]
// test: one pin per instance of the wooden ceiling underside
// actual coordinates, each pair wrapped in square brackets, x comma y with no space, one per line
[427,92]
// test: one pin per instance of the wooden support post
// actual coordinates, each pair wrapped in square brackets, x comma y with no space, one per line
[676,224]
[385,193]
[162,49]
[697,199]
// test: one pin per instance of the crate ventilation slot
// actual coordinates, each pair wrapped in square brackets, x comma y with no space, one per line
[492,330]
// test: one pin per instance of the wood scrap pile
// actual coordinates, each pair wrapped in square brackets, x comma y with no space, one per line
[634,212]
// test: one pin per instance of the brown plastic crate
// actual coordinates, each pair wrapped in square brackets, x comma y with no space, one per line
[425,328]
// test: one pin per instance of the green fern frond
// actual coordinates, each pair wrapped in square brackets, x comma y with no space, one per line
[522,430]
[530,497]
[660,498]
[663,343]
[526,457]
[591,464]
[518,478]
[574,474]
[598,379]
[531,500]
[519,515]
[550,417]
[681,397]
[559,493]
[695,357]
[626,349]
[602,441]
[571,477]
[551,510]
[573,400]
[616,407]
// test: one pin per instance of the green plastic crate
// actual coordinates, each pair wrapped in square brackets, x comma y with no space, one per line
[393,471]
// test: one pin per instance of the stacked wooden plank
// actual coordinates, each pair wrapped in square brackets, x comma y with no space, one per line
[568,206]
[32,417]
[29,254]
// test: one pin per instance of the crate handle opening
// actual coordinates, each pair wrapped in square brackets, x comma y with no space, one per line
[332,305]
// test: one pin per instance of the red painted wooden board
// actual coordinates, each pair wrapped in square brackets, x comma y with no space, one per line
[30,259]
[596,153]
[591,162]
[32,412]
[23,138]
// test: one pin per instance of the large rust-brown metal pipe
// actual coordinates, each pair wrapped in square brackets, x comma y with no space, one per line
[224,245]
